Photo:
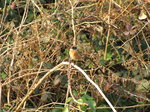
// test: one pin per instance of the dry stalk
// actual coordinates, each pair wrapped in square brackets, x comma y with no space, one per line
[94,84]
[54,69]
[37,6]
[0,94]
[108,33]
[72,21]
[36,85]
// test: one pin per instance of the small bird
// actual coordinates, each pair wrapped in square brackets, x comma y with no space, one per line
[74,54]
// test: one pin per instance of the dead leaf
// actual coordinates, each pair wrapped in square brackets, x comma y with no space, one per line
[13,6]
[108,87]
[142,15]
[130,29]
[57,80]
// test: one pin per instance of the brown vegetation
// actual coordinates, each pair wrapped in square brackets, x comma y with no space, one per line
[113,37]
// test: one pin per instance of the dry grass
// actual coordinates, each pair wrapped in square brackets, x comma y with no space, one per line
[36,37]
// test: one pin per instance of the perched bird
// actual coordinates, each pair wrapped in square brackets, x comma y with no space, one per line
[74,54]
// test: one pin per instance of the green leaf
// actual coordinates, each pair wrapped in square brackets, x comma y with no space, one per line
[83,92]
[82,37]
[8,2]
[30,17]
[103,62]
[92,104]
[75,93]
[144,86]
[66,51]
[97,44]
[83,107]
[108,56]
[43,1]
[56,110]
[90,65]
[87,97]
[66,109]
[3,75]
[68,100]
[80,100]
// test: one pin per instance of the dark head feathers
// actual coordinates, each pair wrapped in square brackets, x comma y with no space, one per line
[74,47]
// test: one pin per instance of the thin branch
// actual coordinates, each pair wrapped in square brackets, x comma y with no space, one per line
[0,94]
[37,6]
[72,21]
[108,34]
[94,84]
[36,85]
[54,69]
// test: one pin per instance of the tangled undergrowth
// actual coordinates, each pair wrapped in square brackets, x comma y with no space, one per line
[112,36]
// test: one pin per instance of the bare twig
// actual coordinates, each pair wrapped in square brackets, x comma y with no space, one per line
[36,85]
[0,94]
[94,84]
[54,69]
[37,6]
[72,20]
[108,33]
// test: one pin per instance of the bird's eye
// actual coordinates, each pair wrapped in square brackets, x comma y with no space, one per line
[74,47]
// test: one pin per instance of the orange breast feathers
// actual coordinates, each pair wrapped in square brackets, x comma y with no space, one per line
[74,54]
